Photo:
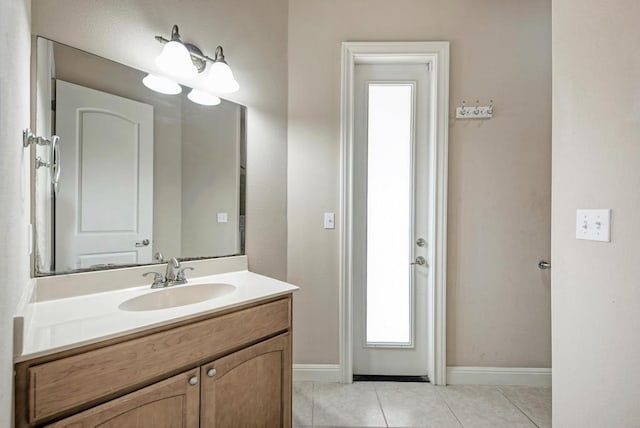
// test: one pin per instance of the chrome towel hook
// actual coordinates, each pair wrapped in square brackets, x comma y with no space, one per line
[477,112]
[29,138]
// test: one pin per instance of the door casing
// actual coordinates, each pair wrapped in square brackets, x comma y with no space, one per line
[436,55]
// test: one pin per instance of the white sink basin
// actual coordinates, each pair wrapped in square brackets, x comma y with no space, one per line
[174,297]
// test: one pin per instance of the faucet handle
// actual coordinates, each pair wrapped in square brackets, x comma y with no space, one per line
[181,276]
[158,279]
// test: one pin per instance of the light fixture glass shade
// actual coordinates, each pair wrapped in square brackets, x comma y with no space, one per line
[176,60]
[161,84]
[204,98]
[220,79]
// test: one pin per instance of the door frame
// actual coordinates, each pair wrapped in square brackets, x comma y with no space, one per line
[436,55]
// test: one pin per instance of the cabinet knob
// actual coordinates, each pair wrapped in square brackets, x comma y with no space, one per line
[193,380]
[211,372]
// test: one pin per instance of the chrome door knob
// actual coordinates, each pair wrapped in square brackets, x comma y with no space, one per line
[193,380]
[143,243]
[211,372]
[420,261]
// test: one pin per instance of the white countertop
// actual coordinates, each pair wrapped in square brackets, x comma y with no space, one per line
[55,325]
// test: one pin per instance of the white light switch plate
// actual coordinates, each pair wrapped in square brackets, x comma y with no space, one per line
[222,217]
[329,221]
[593,225]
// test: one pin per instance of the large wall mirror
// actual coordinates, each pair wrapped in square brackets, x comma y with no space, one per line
[137,176]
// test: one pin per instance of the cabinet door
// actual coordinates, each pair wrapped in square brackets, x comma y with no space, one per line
[249,388]
[172,403]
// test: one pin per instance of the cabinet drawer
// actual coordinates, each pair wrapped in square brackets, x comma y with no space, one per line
[68,383]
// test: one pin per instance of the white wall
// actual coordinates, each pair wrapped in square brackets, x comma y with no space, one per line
[15,48]
[499,170]
[596,164]
[254,37]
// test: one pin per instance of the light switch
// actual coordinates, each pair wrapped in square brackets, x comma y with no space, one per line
[593,225]
[329,221]
[222,217]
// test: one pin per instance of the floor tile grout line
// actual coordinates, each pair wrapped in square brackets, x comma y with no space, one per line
[446,403]
[386,422]
[516,406]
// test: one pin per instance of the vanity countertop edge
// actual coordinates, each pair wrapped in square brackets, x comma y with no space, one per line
[58,325]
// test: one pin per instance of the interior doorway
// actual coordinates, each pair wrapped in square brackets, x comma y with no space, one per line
[391,227]
[376,67]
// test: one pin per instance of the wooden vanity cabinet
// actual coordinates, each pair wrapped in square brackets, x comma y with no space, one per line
[231,369]
[171,403]
[245,389]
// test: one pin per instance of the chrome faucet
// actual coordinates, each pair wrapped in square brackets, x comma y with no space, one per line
[173,267]
[174,275]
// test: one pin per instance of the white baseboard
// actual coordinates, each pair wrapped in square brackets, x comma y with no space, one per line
[498,376]
[316,372]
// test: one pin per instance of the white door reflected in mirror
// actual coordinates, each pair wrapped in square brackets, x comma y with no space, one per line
[104,206]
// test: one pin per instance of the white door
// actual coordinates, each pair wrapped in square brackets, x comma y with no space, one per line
[391,220]
[104,201]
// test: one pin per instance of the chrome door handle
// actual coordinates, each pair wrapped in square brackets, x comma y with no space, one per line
[542,264]
[143,243]
[420,261]
[211,372]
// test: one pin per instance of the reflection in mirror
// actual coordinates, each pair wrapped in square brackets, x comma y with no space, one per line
[143,176]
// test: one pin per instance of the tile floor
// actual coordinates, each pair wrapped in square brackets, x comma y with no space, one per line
[397,404]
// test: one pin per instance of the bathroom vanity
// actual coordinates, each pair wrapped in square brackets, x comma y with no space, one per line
[95,344]
[224,361]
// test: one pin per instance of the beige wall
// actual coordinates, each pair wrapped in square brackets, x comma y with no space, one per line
[254,36]
[499,170]
[15,48]
[210,179]
[596,164]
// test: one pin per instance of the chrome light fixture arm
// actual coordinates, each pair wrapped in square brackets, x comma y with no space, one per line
[199,59]
[186,60]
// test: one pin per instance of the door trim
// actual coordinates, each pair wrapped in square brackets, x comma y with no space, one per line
[436,54]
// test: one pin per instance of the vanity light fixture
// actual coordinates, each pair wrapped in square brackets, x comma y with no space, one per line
[161,84]
[175,58]
[204,98]
[220,78]
[185,60]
